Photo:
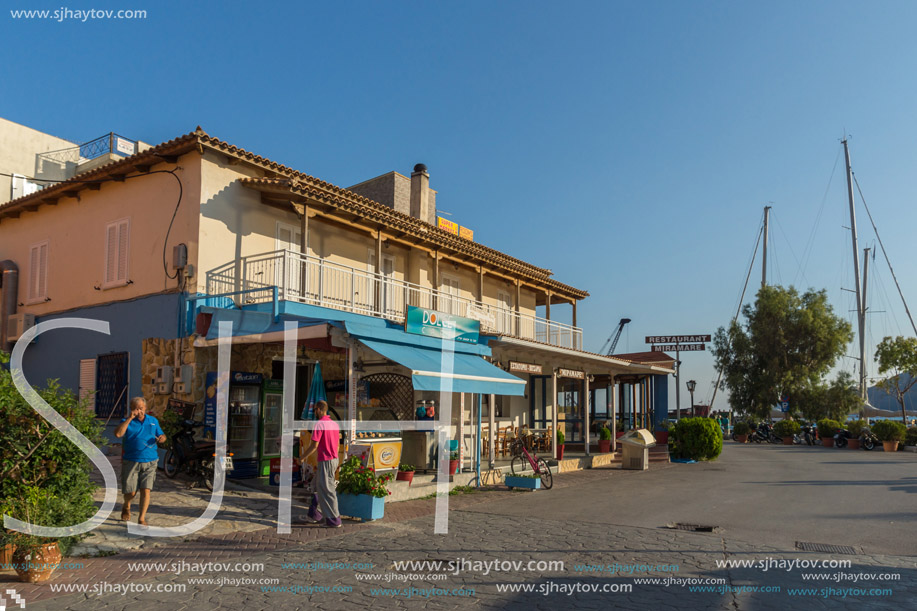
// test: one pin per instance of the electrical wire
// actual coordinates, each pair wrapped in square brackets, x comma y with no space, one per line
[792,252]
[810,243]
[181,190]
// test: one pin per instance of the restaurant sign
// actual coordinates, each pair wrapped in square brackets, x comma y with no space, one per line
[524,367]
[678,348]
[421,321]
[676,339]
[571,373]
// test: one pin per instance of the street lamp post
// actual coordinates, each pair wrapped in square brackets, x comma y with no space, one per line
[691,384]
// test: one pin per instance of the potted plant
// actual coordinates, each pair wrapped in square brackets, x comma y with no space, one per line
[405,474]
[604,440]
[35,558]
[910,439]
[855,427]
[786,429]
[361,493]
[171,426]
[619,429]
[560,444]
[826,430]
[531,481]
[890,433]
[741,431]
[662,433]
[453,462]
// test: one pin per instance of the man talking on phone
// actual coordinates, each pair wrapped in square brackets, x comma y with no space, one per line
[140,432]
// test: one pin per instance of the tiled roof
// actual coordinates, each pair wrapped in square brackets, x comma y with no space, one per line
[300,183]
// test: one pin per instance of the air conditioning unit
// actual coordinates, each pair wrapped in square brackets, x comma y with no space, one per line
[18,324]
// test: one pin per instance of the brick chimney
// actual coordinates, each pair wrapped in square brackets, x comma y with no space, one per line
[423,199]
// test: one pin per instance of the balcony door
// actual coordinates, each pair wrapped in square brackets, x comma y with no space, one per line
[391,305]
[504,314]
[288,237]
[449,301]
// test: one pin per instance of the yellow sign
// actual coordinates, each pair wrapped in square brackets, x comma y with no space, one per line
[466,233]
[386,455]
[448,225]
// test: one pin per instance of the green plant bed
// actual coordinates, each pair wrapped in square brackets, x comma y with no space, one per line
[787,428]
[889,430]
[741,428]
[696,439]
[827,428]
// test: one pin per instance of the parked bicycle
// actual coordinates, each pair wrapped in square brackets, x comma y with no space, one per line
[521,456]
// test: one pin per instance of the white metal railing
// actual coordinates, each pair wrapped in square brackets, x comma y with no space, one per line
[317,281]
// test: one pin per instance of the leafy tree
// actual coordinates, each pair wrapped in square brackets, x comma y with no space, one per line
[38,463]
[786,345]
[898,357]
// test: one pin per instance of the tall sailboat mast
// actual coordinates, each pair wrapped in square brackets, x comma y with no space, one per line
[861,311]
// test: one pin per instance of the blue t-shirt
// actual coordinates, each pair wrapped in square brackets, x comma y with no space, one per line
[139,442]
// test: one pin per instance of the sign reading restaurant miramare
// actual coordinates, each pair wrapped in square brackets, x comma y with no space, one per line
[676,339]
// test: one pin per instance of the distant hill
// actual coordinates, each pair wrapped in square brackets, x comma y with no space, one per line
[882,400]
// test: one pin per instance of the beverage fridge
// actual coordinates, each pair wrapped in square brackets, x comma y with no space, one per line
[244,420]
[271,424]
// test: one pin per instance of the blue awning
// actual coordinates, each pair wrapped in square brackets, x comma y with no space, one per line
[439,371]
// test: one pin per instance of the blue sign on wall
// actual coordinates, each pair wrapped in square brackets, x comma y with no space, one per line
[431,323]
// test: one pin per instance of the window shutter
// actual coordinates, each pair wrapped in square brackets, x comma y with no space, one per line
[88,382]
[111,247]
[43,270]
[34,258]
[17,186]
[123,244]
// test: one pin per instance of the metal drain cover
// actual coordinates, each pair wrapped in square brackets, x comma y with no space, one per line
[825,548]
[697,528]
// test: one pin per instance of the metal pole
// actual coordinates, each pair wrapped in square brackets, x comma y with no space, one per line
[863,393]
[478,437]
[493,432]
[853,236]
[677,385]
[554,413]
[587,406]
[767,216]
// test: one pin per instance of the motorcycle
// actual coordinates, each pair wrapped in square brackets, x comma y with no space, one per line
[196,458]
[763,434]
[841,437]
[868,440]
[808,434]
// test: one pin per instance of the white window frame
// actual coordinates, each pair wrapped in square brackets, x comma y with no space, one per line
[449,301]
[118,281]
[37,291]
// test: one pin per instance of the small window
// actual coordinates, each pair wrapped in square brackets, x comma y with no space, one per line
[88,383]
[117,247]
[38,272]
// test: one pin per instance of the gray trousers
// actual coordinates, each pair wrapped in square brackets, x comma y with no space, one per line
[325,488]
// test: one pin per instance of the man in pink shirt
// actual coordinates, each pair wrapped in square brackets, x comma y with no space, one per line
[325,439]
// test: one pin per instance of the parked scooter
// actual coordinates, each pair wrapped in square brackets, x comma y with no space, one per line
[197,458]
[868,439]
[808,434]
[841,437]
[763,433]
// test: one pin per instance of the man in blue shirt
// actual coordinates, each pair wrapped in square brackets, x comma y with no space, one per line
[139,433]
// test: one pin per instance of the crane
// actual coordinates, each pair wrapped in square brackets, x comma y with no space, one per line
[613,340]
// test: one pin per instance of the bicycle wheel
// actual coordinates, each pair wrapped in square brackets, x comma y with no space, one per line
[547,479]
[519,464]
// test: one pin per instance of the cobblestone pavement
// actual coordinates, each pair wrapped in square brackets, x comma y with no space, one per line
[357,567]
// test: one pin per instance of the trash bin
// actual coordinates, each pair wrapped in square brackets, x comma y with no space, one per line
[635,449]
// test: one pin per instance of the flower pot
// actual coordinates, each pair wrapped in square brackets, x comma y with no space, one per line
[890,446]
[405,476]
[453,467]
[6,556]
[787,441]
[853,444]
[827,442]
[533,483]
[361,506]
[619,434]
[604,446]
[37,565]
[560,452]
[741,438]
[662,437]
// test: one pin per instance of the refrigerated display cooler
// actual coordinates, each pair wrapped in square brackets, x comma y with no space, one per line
[244,420]
[271,424]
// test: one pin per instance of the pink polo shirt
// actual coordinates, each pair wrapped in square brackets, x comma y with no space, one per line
[327,434]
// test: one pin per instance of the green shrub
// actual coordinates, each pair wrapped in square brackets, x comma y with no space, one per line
[856,428]
[560,438]
[697,439]
[664,426]
[889,430]
[741,428]
[910,438]
[42,473]
[354,478]
[406,468]
[787,428]
[605,433]
[827,428]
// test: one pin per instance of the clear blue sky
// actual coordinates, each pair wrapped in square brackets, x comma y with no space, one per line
[628,146]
